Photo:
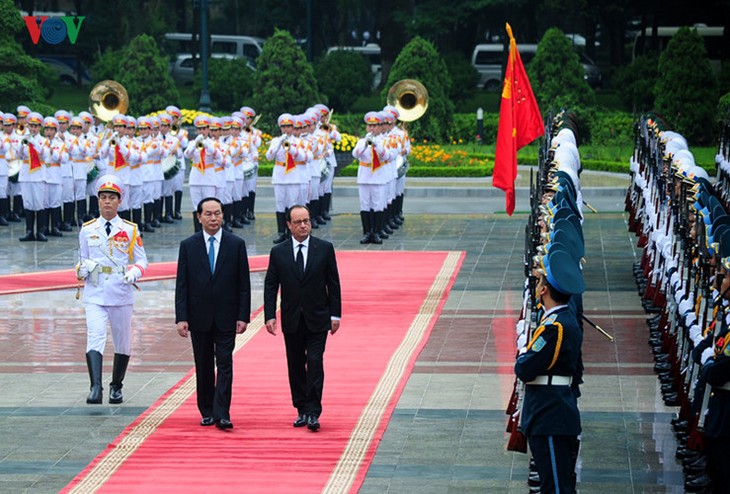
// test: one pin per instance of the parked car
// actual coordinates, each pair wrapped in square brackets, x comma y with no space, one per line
[182,72]
[240,46]
[488,58]
[372,52]
[66,68]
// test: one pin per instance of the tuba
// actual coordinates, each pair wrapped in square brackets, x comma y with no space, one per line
[107,99]
[410,98]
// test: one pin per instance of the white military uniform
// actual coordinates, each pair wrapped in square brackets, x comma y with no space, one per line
[107,298]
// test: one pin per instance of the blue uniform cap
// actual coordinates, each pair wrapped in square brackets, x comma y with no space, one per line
[563,272]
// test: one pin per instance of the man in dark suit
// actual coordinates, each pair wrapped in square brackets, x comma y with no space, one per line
[213,304]
[305,268]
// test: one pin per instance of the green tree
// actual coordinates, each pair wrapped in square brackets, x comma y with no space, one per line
[556,75]
[635,82]
[343,76]
[686,91]
[23,79]
[464,77]
[284,81]
[230,83]
[419,60]
[144,73]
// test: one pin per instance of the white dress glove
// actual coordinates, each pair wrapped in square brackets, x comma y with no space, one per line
[706,354]
[522,343]
[86,267]
[132,275]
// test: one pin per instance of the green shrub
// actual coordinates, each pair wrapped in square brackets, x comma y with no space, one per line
[464,77]
[635,82]
[230,83]
[143,71]
[343,76]
[686,90]
[463,128]
[556,75]
[106,66]
[284,81]
[419,60]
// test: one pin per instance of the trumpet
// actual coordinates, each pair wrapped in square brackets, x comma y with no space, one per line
[200,144]
[285,142]
[369,139]
[174,129]
[20,129]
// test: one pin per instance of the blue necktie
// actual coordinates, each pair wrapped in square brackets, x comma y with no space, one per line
[211,253]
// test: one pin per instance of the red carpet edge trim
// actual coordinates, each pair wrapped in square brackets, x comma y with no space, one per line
[138,434]
[346,471]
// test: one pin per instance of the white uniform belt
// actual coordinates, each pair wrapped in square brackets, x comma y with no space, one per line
[552,380]
[113,269]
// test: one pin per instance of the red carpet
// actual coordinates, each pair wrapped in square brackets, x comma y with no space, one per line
[66,278]
[391,301]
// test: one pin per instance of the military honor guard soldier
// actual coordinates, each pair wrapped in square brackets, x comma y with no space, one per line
[111,260]
[33,150]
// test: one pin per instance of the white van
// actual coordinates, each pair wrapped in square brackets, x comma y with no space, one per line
[237,46]
[488,59]
[713,36]
[372,52]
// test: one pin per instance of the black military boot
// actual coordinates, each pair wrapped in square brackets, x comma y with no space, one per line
[81,212]
[93,207]
[118,372]
[251,204]
[168,210]
[68,216]
[374,231]
[237,209]
[366,230]
[29,223]
[379,224]
[325,206]
[146,226]
[56,222]
[126,215]
[41,220]
[178,205]
[227,217]
[196,224]
[94,362]
[17,209]
[4,211]
[156,213]
[280,227]
[137,217]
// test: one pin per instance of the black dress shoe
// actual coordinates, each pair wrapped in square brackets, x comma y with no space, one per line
[224,424]
[207,421]
[312,423]
[301,420]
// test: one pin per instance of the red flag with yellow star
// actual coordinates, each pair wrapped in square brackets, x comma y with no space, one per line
[520,123]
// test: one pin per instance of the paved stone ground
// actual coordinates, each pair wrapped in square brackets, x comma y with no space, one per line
[447,432]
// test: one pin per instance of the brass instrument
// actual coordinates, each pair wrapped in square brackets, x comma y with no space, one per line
[410,98]
[20,129]
[249,128]
[369,139]
[108,99]
[326,124]
[286,142]
[200,144]
[174,129]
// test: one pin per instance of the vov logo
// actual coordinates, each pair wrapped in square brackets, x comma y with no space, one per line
[53,30]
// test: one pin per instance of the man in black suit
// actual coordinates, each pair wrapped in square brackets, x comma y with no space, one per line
[305,268]
[213,304]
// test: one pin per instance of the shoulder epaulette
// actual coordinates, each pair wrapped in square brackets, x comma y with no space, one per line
[130,222]
[89,222]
